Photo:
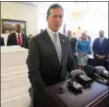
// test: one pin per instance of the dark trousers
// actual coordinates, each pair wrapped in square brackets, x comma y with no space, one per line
[99,62]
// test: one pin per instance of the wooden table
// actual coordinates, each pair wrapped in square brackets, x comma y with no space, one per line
[95,96]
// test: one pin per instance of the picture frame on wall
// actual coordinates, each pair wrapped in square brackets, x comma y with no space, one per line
[8,25]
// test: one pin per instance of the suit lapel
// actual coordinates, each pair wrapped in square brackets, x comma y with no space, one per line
[62,42]
[64,56]
[51,48]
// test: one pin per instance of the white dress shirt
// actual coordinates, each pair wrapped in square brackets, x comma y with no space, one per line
[101,40]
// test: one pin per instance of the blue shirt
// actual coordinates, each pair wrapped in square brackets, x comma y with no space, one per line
[84,46]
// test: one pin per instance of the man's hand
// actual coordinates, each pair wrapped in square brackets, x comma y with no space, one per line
[100,56]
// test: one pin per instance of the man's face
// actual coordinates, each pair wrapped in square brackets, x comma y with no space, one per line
[18,28]
[69,34]
[83,36]
[55,19]
[101,34]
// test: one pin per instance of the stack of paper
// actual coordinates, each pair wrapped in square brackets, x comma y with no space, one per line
[14,77]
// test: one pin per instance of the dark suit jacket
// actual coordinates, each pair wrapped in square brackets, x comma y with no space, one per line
[100,49]
[73,42]
[12,40]
[43,63]
[1,41]
[108,47]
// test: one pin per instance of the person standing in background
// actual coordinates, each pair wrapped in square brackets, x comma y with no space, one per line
[73,40]
[30,37]
[99,49]
[1,41]
[18,38]
[83,45]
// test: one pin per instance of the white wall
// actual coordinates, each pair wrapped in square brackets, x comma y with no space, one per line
[91,16]
[21,11]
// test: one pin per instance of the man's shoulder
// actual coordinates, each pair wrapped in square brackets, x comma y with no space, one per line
[96,39]
[73,39]
[12,34]
[105,38]
[40,35]
[1,38]
[63,36]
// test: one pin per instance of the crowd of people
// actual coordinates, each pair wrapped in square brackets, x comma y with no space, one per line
[17,37]
[99,47]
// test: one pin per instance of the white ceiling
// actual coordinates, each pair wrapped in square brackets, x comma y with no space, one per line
[31,3]
[83,6]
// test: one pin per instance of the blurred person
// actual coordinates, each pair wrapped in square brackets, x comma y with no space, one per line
[1,41]
[17,37]
[106,65]
[88,36]
[100,49]
[83,44]
[73,40]
[30,37]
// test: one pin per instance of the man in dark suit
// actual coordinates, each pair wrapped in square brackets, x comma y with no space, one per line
[107,62]
[99,49]
[73,40]
[1,41]
[50,57]
[108,48]
[18,38]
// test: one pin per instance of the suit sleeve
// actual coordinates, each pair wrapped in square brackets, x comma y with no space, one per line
[72,64]
[26,42]
[33,63]
[3,42]
[78,47]
[90,51]
[94,46]
[9,40]
[108,48]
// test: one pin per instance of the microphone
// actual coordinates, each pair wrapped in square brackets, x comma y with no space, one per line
[90,71]
[81,77]
[102,71]
[76,72]
[94,74]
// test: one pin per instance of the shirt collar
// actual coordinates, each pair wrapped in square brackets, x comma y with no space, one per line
[50,32]
[18,33]
[102,38]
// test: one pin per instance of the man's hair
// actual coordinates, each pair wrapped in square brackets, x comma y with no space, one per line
[53,6]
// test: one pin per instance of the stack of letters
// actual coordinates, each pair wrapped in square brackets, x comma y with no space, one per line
[14,77]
